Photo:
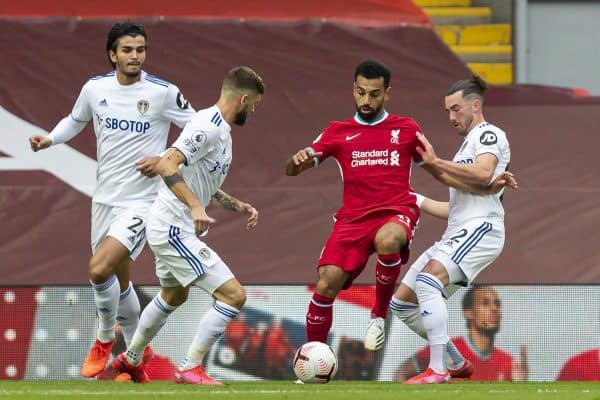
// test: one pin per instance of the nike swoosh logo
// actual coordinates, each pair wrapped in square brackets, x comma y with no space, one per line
[314,323]
[348,138]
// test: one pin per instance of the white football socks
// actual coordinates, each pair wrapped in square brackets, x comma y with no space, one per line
[409,314]
[211,327]
[106,296]
[129,313]
[434,314]
[151,321]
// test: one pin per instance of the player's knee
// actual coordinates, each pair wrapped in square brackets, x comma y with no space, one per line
[99,270]
[327,287]
[389,244]
[236,298]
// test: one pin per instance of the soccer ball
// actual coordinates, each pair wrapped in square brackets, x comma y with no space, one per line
[315,362]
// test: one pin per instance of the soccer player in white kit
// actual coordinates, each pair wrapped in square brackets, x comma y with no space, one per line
[131,111]
[474,237]
[193,170]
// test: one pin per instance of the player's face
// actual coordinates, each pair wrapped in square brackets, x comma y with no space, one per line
[460,112]
[369,97]
[130,55]
[486,313]
[247,104]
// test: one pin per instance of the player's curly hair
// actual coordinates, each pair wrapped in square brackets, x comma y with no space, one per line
[476,85]
[120,29]
[372,69]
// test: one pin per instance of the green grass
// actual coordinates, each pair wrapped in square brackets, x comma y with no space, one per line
[342,390]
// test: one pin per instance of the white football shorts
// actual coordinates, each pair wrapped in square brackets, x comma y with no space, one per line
[126,224]
[183,259]
[465,253]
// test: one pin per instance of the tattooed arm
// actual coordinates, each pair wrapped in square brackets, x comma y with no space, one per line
[168,169]
[229,202]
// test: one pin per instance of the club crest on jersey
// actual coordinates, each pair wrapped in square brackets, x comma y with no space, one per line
[395,139]
[204,253]
[143,106]
[200,137]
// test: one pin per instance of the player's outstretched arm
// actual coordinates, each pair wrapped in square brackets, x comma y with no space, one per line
[229,202]
[434,208]
[301,160]
[505,179]
[168,169]
[478,173]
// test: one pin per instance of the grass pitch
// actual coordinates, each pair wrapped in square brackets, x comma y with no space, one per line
[336,390]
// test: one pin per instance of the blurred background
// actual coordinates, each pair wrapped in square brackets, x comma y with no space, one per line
[540,56]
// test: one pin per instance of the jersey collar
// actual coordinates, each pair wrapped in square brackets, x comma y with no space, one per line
[361,121]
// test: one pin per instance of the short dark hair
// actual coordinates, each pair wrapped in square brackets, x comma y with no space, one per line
[468,299]
[120,29]
[244,78]
[372,69]
[476,85]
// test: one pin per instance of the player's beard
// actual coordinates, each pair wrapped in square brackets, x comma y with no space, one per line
[240,117]
[490,331]
[132,74]
[371,115]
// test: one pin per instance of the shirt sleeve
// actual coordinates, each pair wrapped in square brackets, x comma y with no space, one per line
[196,140]
[490,141]
[82,112]
[176,108]
[325,144]
[74,123]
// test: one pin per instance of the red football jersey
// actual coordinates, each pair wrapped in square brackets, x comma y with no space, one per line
[582,367]
[496,366]
[375,162]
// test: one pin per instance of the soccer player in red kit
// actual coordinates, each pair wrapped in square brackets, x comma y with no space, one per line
[374,151]
[582,367]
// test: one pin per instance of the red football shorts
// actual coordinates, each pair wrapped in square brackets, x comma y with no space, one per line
[351,243]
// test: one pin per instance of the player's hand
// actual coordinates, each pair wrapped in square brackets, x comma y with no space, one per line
[505,179]
[251,213]
[201,220]
[426,149]
[520,369]
[38,143]
[147,166]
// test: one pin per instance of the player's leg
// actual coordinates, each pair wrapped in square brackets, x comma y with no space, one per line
[405,306]
[457,260]
[106,291]
[319,317]
[388,241]
[343,258]
[229,297]
[117,236]
[429,286]
[129,305]
[153,318]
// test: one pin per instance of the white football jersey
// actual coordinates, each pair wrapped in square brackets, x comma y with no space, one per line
[206,144]
[464,206]
[131,122]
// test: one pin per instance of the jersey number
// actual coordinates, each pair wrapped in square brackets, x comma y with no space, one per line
[138,222]
[461,234]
